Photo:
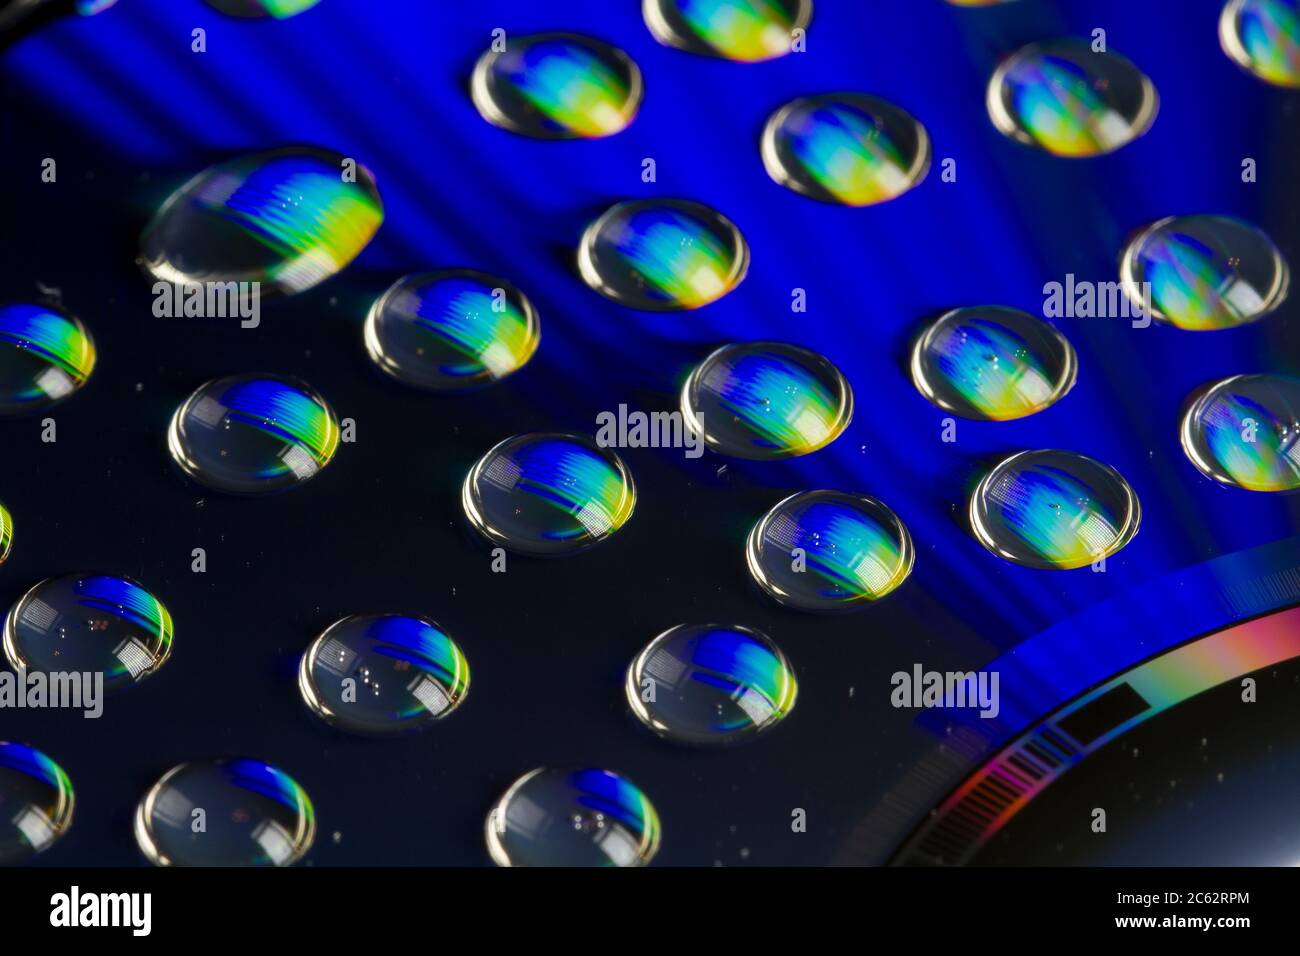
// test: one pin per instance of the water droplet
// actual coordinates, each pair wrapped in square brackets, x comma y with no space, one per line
[37,799]
[46,354]
[557,86]
[990,362]
[449,330]
[548,494]
[253,434]
[747,31]
[573,818]
[846,148]
[711,685]
[383,673]
[286,219]
[279,9]
[1070,101]
[663,255]
[1054,509]
[1206,272]
[767,400]
[86,623]
[6,533]
[854,551]
[1263,37]
[229,812]
[1245,431]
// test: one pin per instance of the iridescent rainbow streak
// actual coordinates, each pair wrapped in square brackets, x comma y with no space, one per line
[1059,109]
[1270,462]
[463,316]
[747,31]
[56,339]
[853,552]
[130,602]
[1056,515]
[262,778]
[782,403]
[579,483]
[993,369]
[679,256]
[740,666]
[849,157]
[302,210]
[424,646]
[6,533]
[88,8]
[286,413]
[1269,33]
[1189,286]
[283,9]
[621,800]
[573,89]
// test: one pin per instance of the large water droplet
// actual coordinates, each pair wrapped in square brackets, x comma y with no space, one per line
[89,624]
[846,148]
[573,818]
[663,254]
[383,673]
[991,362]
[746,31]
[1205,272]
[1054,509]
[229,812]
[1068,100]
[548,494]
[450,330]
[766,400]
[286,219]
[6,533]
[279,9]
[557,86]
[253,434]
[1263,36]
[1245,431]
[36,802]
[711,685]
[829,551]
[45,355]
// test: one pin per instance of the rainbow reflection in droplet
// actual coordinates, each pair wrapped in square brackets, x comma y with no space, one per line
[557,86]
[36,802]
[88,8]
[991,362]
[253,434]
[90,623]
[285,219]
[710,685]
[1070,101]
[1263,37]
[450,330]
[256,9]
[383,673]
[829,551]
[1245,431]
[663,254]
[45,355]
[1205,272]
[548,494]
[846,148]
[1054,509]
[766,400]
[6,533]
[747,31]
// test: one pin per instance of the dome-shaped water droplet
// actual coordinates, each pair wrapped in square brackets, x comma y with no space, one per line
[253,434]
[573,818]
[557,86]
[766,400]
[746,31]
[89,623]
[829,551]
[1070,101]
[1263,36]
[45,355]
[845,148]
[6,533]
[548,494]
[36,802]
[993,363]
[1054,509]
[285,219]
[229,812]
[1205,272]
[1245,431]
[279,9]
[449,330]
